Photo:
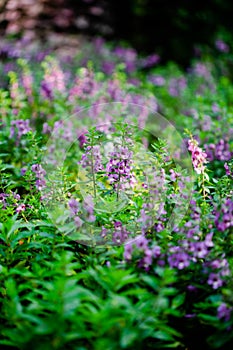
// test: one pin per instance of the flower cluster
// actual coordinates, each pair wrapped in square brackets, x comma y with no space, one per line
[176,86]
[53,80]
[146,253]
[224,215]
[40,173]
[119,168]
[221,46]
[74,207]
[80,213]
[218,269]
[84,87]
[219,151]
[3,202]
[199,157]
[88,206]
[92,159]
[19,128]
[120,234]
[229,170]
[224,312]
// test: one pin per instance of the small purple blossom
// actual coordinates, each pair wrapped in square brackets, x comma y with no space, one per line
[120,234]
[74,206]
[40,173]
[157,80]
[119,168]
[221,46]
[229,171]
[224,312]
[3,197]
[128,251]
[78,221]
[19,128]
[179,260]
[224,215]
[23,171]
[92,159]
[215,280]
[220,151]
[20,208]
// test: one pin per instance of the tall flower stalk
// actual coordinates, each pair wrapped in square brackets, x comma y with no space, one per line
[199,160]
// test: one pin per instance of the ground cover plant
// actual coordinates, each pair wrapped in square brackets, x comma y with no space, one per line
[116,200]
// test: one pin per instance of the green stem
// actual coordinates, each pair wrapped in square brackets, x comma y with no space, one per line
[203,186]
[93,172]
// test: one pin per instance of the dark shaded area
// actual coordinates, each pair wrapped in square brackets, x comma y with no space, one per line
[171,28]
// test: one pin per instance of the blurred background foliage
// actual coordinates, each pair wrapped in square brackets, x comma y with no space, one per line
[173,28]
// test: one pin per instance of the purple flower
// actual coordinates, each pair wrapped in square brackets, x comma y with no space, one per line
[38,170]
[23,171]
[228,170]
[19,127]
[215,281]
[128,251]
[120,234]
[82,139]
[108,67]
[3,197]
[92,159]
[147,259]
[20,208]
[221,46]
[74,206]
[179,260]
[40,184]
[191,288]
[156,251]
[224,312]
[40,173]
[174,175]
[176,86]
[157,80]
[46,128]
[88,204]
[119,168]
[142,242]
[224,215]
[220,151]
[150,61]
[199,249]
[78,221]
[208,240]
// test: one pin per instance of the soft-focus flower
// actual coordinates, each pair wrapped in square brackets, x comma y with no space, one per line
[229,172]
[120,234]
[215,281]
[199,157]
[40,173]
[219,151]
[74,206]
[179,260]
[128,251]
[3,197]
[119,168]
[20,208]
[19,128]
[221,46]
[78,221]
[224,312]
[92,159]
[224,215]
